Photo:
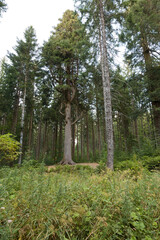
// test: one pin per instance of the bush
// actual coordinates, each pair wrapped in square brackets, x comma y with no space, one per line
[9,148]
[151,163]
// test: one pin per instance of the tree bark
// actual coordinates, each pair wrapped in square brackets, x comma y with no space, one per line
[22,121]
[156,116]
[45,138]
[77,143]
[87,136]
[67,158]
[54,140]
[81,139]
[60,140]
[106,90]
[15,114]
[38,141]
[98,129]
[30,130]
[73,140]
[93,139]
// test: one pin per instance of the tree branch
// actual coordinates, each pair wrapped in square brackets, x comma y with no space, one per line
[61,109]
[78,118]
[73,93]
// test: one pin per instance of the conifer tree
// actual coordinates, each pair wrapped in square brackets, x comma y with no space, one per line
[64,55]
[94,13]
[141,31]
[23,62]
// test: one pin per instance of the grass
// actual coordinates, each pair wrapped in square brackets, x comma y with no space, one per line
[78,205]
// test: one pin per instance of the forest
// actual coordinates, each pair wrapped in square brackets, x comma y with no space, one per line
[80,126]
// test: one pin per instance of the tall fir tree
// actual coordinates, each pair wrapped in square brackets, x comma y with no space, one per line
[65,56]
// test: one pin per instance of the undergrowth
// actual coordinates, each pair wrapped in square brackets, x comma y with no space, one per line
[78,205]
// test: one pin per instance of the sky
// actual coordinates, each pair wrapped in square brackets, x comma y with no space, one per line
[43,15]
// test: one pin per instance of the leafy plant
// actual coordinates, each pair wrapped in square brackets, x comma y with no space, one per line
[64,205]
[9,148]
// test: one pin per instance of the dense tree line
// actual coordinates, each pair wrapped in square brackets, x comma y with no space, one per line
[70,101]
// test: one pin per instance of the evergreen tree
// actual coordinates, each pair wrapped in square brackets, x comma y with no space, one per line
[23,62]
[98,16]
[141,31]
[65,56]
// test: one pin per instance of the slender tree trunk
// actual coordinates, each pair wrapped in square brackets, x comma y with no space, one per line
[87,137]
[98,130]
[106,90]
[3,124]
[81,139]
[15,114]
[120,141]
[93,139]
[136,131]
[30,130]
[156,115]
[77,143]
[149,126]
[60,140]
[22,121]
[54,140]
[67,158]
[38,142]
[45,138]
[73,140]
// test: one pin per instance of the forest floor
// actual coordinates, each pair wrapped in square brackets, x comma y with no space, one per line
[92,165]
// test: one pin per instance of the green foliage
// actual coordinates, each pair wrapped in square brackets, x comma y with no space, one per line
[37,205]
[129,164]
[137,163]
[3,6]
[9,148]
[151,163]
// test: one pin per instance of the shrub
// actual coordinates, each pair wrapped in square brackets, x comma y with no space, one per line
[151,163]
[9,148]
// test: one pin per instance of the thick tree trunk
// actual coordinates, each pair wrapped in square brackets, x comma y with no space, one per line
[106,90]
[67,158]
[22,121]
